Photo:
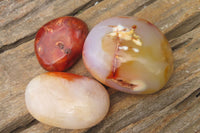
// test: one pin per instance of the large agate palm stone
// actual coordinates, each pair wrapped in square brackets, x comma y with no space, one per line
[128,54]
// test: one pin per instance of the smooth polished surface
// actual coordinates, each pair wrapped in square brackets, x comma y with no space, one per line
[59,43]
[129,54]
[176,108]
[66,100]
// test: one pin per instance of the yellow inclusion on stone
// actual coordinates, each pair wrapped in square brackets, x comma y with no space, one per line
[152,63]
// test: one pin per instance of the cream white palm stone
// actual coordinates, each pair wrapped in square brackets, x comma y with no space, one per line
[66,100]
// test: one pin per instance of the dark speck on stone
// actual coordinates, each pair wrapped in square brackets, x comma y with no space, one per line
[60,45]
[67,51]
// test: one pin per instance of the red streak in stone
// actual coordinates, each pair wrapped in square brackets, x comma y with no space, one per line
[68,76]
[114,76]
[134,27]
[114,73]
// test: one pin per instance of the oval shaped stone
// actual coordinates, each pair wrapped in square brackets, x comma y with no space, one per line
[66,100]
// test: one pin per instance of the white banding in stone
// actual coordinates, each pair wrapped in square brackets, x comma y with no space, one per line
[136,50]
[123,48]
[140,85]
[137,42]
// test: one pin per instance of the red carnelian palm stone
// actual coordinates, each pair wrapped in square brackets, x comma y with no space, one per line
[59,43]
